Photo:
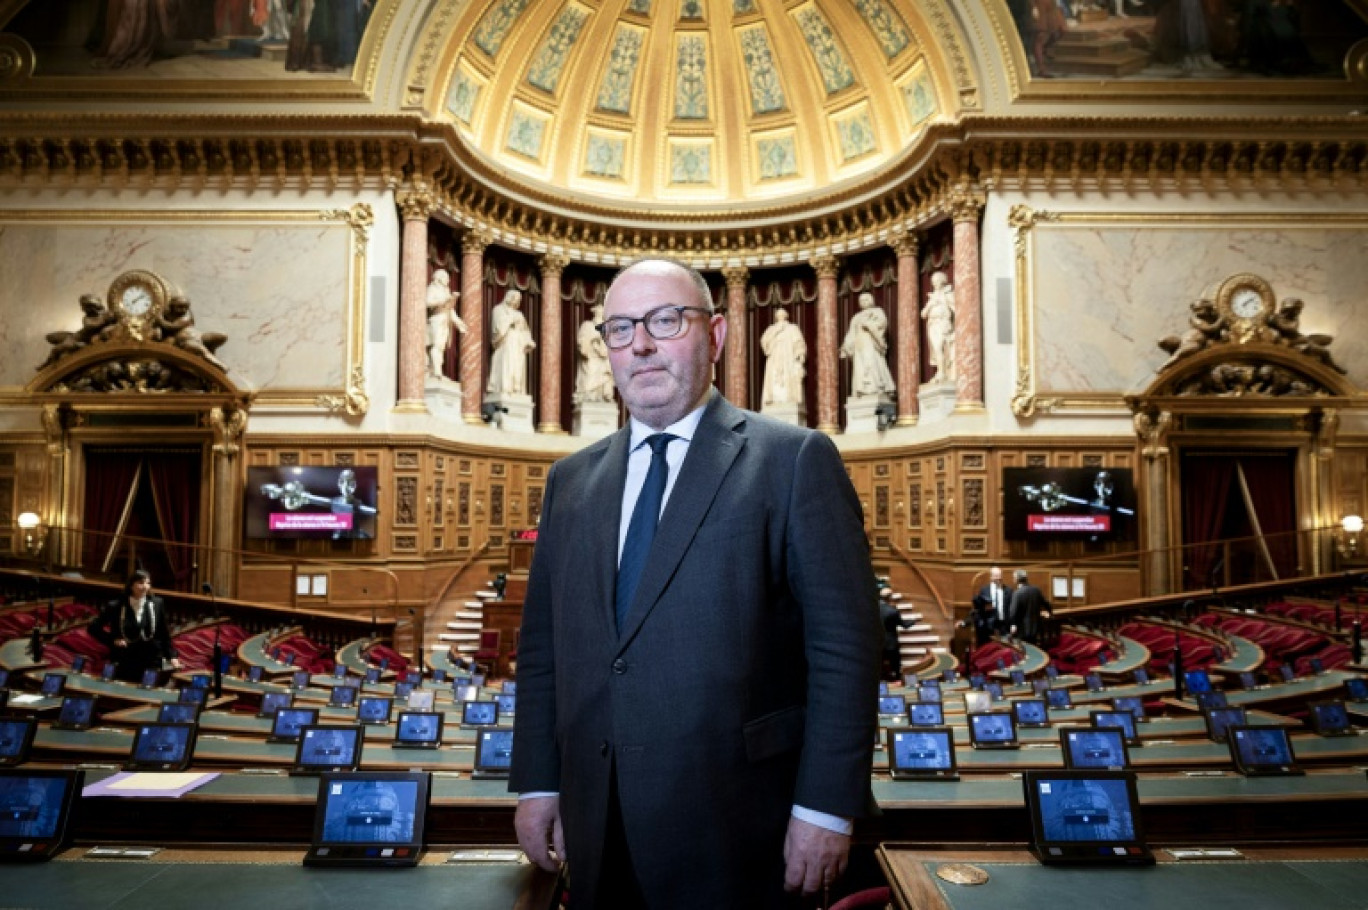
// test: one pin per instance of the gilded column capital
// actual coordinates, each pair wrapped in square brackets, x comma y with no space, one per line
[553,263]
[227,427]
[417,203]
[474,242]
[825,266]
[906,245]
[965,202]
[736,276]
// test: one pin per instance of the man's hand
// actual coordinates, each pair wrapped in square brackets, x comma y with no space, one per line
[538,824]
[814,856]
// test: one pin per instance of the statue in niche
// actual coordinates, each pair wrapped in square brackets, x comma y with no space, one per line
[594,378]
[1207,325]
[785,360]
[866,346]
[96,325]
[441,312]
[177,326]
[1285,322]
[512,340]
[939,314]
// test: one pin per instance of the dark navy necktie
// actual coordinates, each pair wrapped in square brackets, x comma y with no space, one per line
[641,529]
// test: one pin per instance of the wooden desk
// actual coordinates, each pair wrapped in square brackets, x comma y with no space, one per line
[1327,878]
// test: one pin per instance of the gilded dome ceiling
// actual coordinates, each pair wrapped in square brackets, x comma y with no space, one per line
[715,102]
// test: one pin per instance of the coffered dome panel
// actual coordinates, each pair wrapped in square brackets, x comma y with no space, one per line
[722,102]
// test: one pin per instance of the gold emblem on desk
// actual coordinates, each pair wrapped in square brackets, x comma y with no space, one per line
[961,874]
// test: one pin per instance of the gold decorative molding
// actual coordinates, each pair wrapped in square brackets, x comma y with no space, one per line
[228,426]
[360,217]
[553,263]
[354,402]
[736,276]
[416,203]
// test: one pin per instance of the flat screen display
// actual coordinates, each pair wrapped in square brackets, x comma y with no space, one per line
[370,811]
[486,713]
[925,714]
[178,712]
[328,747]
[494,750]
[343,696]
[1219,720]
[1094,747]
[1030,711]
[922,750]
[271,702]
[1260,747]
[1132,703]
[419,727]
[928,692]
[1058,698]
[289,502]
[1096,503]
[988,729]
[77,711]
[889,705]
[53,684]
[1357,687]
[1329,717]
[289,721]
[16,733]
[1085,810]
[162,746]
[31,805]
[1197,681]
[373,710]
[1123,720]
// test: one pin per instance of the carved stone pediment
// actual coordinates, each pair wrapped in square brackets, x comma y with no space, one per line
[1255,370]
[131,368]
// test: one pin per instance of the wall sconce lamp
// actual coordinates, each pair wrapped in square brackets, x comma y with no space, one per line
[1346,537]
[35,535]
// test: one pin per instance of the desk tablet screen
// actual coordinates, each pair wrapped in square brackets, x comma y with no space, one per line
[923,750]
[175,712]
[1018,677]
[1030,711]
[1288,673]
[162,744]
[254,673]
[1099,747]
[1212,699]
[16,734]
[889,705]
[1040,686]
[1329,717]
[1132,703]
[925,714]
[370,811]
[1084,810]
[1124,720]
[31,804]
[402,690]
[1218,720]
[373,675]
[1093,682]
[929,693]
[1197,681]
[977,702]
[1141,677]
[195,695]
[271,702]
[1058,698]
[1248,680]
[328,747]
[289,721]
[992,728]
[439,676]
[419,727]
[343,697]
[486,713]
[1256,748]
[1357,687]
[77,711]
[994,690]
[494,751]
[300,679]
[53,683]
[508,703]
[373,710]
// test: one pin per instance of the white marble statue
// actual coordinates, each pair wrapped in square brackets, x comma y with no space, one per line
[594,377]
[939,314]
[785,357]
[511,337]
[441,313]
[866,346]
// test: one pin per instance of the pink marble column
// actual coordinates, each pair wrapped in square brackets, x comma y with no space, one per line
[965,211]
[549,407]
[472,313]
[828,381]
[909,329]
[416,205]
[736,351]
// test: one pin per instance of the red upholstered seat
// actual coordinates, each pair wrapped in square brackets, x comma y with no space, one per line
[872,897]
[489,645]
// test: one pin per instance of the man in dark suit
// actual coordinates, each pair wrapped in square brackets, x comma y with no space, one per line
[993,599]
[892,619]
[135,629]
[1029,607]
[701,737]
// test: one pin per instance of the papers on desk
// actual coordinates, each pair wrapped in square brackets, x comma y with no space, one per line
[25,698]
[166,785]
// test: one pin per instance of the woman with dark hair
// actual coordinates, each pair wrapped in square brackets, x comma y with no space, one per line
[134,628]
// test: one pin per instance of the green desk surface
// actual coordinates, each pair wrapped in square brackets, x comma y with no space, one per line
[1327,685]
[14,656]
[1247,657]
[447,788]
[93,884]
[1158,728]
[1128,661]
[1153,788]
[440,659]
[115,690]
[1015,881]
[213,749]
[943,660]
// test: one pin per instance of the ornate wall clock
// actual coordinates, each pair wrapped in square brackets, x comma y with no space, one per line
[137,298]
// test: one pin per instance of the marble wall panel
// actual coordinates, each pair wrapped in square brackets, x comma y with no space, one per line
[280,292]
[1104,295]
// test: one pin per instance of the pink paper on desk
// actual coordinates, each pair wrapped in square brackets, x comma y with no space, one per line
[149,783]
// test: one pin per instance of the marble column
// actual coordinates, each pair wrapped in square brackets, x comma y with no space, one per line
[416,205]
[472,313]
[549,401]
[909,329]
[736,351]
[965,208]
[828,343]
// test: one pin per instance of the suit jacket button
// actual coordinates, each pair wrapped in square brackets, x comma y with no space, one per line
[603,748]
[619,666]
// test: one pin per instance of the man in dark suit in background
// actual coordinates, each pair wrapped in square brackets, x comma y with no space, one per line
[892,619]
[699,735]
[993,598]
[1029,607]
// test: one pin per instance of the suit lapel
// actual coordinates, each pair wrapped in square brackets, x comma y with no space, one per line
[711,453]
[601,527]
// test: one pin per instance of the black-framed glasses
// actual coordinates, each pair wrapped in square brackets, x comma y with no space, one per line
[661,323]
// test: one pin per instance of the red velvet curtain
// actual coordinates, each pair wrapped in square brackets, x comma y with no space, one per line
[175,481]
[1271,489]
[795,290]
[1206,489]
[109,478]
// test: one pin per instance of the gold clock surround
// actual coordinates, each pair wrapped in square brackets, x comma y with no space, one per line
[136,322]
[1230,296]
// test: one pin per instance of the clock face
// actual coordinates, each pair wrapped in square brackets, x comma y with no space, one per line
[1246,303]
[136,300]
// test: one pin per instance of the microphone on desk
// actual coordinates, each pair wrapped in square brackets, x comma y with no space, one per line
[218,649]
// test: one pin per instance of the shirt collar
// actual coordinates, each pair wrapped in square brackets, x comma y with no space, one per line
[683,428]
